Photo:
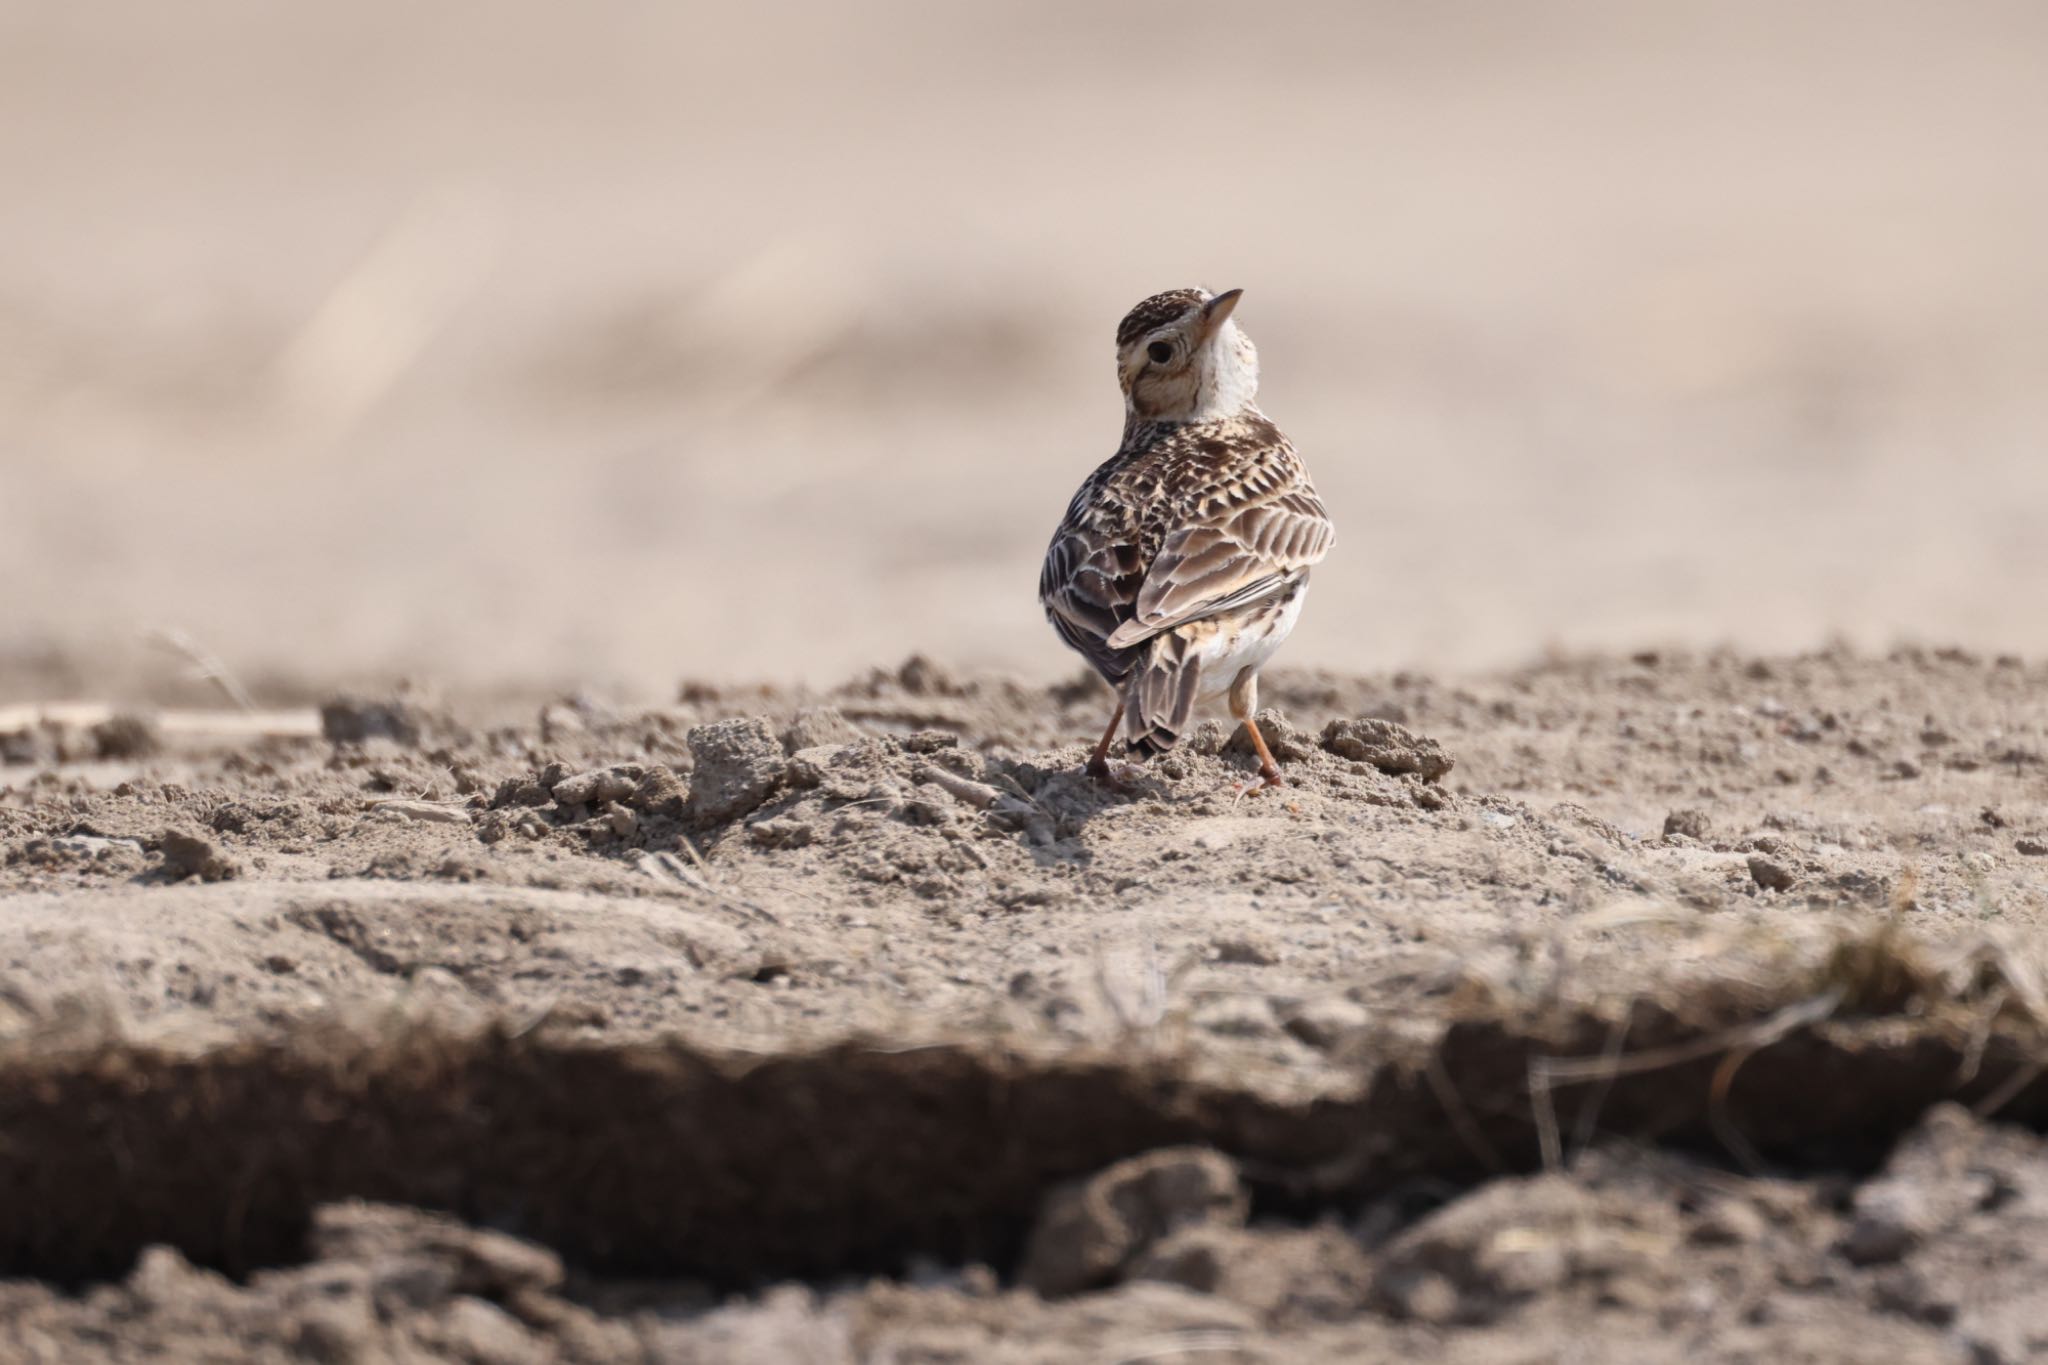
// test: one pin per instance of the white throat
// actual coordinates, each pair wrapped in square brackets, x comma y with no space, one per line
[1228,375]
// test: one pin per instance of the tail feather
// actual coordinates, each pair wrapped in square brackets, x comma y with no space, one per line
[1160,700]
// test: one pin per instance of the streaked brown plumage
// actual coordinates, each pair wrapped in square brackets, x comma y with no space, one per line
[1183,560]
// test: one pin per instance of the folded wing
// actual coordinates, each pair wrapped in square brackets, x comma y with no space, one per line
[1228,561]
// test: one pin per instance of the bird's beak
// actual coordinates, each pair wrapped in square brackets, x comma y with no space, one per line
[1216,312]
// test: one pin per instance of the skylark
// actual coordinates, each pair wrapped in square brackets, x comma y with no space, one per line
[1182,563]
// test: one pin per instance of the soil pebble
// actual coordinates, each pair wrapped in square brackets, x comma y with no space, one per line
[188,853]
[738,764]
[1388,747]
[1770,875]
[127,736]
[1480,1255]
[1692,824]
[599,786]
[354,720]
[1088,1232]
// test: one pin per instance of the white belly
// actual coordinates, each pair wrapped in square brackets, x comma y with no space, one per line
[1248,643]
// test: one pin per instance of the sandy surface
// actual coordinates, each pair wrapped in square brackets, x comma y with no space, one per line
[1827,867]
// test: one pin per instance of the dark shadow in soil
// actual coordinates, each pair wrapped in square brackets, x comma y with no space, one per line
[664,1160]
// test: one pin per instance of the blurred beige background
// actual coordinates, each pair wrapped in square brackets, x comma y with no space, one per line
[505,343]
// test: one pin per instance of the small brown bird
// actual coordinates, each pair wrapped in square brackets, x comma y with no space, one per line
[1182,563]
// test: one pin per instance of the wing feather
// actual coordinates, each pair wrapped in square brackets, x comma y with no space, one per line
[1245,553]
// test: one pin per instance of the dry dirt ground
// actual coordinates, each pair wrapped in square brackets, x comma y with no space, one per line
[1637,1008]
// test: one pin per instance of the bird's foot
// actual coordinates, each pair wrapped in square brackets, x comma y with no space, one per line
[1104,775]
[1268,777]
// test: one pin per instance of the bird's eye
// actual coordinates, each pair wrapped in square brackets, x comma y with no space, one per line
[1160,351]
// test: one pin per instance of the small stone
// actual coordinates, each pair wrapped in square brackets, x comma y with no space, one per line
[31,745]
[1326,1022]
[1692,824]
[625,823]
[162,1277]
[520,791]
[929,741]
[922,677]
[598,786]
[1090,1231]
[808,767]
[1889,1223]
[353,720]
[188,853]
[784,833]
[1429,798]
[127,736]
[1769,875]
[739,763]
[929,806]
[660,792]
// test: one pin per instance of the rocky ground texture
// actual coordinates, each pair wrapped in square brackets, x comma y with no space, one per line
[1692,999]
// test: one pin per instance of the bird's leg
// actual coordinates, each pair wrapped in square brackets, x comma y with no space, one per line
[1244,702]
[1098,762]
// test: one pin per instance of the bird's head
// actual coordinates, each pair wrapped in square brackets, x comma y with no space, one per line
[1180,358]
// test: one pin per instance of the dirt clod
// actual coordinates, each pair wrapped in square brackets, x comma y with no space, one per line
[1036,976]
[1692,824]
[598,786]
[1090,1231]
[189,853]
[1388,747]
[127,736]
[353,720]
[1769,874]
[1517,1239]
[738,763]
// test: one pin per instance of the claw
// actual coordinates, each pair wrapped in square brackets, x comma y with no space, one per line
[1108,777]
[1267,779]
